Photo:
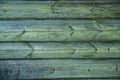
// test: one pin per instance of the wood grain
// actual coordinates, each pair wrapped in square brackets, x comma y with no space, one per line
[59,39]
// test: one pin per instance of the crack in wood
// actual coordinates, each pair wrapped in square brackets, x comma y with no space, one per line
[18,36]
[30,54]
[95,49]
[72,29]
[99,30]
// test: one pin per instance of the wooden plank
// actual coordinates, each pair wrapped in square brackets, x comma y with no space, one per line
[46,9]
[59,50]
[42,69]
[58,30]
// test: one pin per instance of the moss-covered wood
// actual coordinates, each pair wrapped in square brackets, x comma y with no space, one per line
[59,39]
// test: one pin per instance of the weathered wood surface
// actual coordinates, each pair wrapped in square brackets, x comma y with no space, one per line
[58,30]
[37,69]
[59,50]
[59,39]
[57,9]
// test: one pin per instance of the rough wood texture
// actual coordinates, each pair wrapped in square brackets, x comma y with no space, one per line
[57,9]
[37,69]
[59,50]
[59,39]
[58,30]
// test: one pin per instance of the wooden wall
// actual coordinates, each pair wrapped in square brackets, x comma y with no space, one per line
[59,39]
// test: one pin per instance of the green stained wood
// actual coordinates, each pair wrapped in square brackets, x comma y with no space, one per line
[59,50]
[60,39]
[58,30]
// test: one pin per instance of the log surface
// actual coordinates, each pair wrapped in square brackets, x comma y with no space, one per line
[59,39]
[58,9]
[59,50]
[59,30]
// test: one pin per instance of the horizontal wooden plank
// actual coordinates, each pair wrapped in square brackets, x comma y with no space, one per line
[37,69]
[59,30]
[59,50]
[47,9]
